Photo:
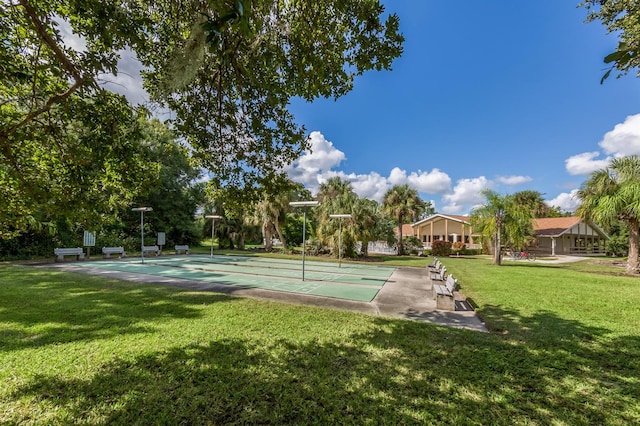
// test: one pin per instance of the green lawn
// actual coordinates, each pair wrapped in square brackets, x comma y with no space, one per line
[564,349]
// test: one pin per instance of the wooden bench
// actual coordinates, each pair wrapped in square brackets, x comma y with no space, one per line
[439,275]
[62,252]
[443,294]
[182,248]
[437,268]
[150,249]
[108,251]
[435,265]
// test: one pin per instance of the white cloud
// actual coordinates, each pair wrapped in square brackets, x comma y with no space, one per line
[566,201]
[513,180]
[585,163]
[322,155]
[372,186]
[624,139]
[466,191]
[397,176]
[314,166]
[433,182]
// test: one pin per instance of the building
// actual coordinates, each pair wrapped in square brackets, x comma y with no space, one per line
[450,228]
[569,235]
[558,235]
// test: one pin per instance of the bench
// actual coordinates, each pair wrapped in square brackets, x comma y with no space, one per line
[108,251]
[150,249]
[439,275]
[62,252]
[435,267]
[443,294]
[182,248]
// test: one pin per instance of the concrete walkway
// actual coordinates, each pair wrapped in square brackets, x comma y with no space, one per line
[406,295]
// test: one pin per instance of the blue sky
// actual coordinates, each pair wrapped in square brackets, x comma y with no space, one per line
[500,94]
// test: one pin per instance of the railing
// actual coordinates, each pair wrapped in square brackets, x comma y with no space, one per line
[427,246]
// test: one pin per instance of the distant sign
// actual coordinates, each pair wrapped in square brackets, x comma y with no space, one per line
[89,239]
[161,238]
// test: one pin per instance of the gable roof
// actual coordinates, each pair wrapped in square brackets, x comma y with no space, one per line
[557,226]
[456,218]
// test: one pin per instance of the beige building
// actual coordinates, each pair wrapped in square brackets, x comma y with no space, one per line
[450,228]
[560,235]
[569,235]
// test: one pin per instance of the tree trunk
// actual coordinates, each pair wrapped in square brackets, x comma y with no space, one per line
[280,236]
[497,258]
[267,237]
[400,247]
[632,262]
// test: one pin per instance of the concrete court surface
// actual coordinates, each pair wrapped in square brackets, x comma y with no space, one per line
[405,295]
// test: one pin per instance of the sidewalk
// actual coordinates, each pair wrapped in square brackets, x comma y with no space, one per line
[406,295]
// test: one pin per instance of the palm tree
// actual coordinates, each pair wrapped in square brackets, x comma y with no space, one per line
[400,203]
[612,194]
[269,213]
[336,196]
[503,221]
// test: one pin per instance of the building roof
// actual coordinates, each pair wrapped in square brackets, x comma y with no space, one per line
[457,218]
[407,230]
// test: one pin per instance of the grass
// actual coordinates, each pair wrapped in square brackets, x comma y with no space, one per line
[564,349]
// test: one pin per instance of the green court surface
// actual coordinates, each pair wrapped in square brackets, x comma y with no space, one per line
[350,281]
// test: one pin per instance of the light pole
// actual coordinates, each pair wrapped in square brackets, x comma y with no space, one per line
[340,216]
[142,210]
[213,218]
[304,204]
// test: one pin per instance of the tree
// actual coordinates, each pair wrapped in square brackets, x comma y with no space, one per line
[227,70]
[401,203]
[503,221]
[613,194]
[622,17]
[175,195]
[271,210]
[534,202]
[336,196]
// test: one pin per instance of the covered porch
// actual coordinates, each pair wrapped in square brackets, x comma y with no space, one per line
[445,227]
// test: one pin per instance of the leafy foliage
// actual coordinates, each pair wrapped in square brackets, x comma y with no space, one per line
[503,221]
[227,70]
[613,194]
[441,248]
[403,203]
[620,17]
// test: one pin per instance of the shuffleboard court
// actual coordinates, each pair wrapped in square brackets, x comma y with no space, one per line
[350,281]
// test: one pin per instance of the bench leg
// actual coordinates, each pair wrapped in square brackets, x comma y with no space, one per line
[445,302]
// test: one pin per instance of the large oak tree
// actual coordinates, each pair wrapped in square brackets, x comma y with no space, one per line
[227,69]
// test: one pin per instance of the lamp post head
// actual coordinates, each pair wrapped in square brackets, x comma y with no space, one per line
[142,209]
[213,216]
[311,203]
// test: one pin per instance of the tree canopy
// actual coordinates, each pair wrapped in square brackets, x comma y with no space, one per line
[227,70]
[621,17]
[403,204]
[504,221]
[613,194]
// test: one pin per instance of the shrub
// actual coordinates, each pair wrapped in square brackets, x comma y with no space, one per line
[459,247]
[440,248]
[411,245]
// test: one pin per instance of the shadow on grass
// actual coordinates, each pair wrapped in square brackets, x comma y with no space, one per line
[546,370]
[45,307]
